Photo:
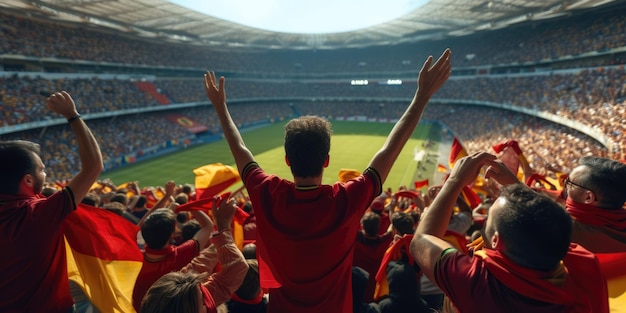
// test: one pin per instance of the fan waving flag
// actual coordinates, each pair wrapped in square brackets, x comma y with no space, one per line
[513,158]
[214,178]
[103,257]
[457,151]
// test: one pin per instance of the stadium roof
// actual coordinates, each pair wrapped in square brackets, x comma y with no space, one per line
[166,21]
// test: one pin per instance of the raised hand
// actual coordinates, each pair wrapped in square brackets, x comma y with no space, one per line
[501,173]
[433,76]
[216,93]
[467,169]
[224,212]
[62,103]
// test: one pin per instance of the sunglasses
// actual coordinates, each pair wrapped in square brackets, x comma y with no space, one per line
[568,181]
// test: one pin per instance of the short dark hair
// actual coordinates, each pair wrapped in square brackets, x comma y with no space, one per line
[307,144]
[535,230]
[115,207]
[141,201]
[181,198]
[251,285]
[173,292]
[606,178]
[187,188]
[91,198]
[158,228]
[371,223]
[249,251]
[16,160]
[190,229]
[120,197]
[403,222]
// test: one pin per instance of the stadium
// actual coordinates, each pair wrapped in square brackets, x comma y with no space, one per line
[547,74]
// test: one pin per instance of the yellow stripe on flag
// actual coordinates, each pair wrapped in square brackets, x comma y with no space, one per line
[108,284]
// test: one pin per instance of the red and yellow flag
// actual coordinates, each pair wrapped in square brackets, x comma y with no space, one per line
[442,168]
[214,178]
[457,151]
[512,156]
[103,257]
[421,183]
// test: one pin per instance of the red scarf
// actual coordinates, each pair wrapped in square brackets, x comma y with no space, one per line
[394,252]
[593,215]
[575,283]
[208,301]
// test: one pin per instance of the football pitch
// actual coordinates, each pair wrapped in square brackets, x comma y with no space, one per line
[353,144]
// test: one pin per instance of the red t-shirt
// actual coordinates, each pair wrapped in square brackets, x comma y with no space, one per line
[33,263]
[176,257]
[470,285]
[305,237]
[368,253]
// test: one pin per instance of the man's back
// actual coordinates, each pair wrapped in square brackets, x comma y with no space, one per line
[33,232]
[496,284]
[303,238]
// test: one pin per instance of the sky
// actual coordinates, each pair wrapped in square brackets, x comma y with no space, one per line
[304,16]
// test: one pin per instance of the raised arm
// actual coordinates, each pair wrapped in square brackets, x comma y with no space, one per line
[431,78]
[88,149]
[427,245]
[217,95]
[234,267]
[170,186]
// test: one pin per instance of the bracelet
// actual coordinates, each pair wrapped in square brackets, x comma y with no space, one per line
[73,118]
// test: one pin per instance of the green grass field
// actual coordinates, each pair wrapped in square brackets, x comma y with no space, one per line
[352,146]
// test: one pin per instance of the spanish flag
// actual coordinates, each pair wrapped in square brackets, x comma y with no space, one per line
[152,197]
[214,178]
[103,257]
[457,151]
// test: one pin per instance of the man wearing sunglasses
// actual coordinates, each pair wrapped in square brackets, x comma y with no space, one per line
[595,194]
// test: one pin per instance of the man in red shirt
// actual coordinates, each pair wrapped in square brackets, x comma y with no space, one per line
[370,248]
[526,262]
[33,263]
[198,287]
[305,252]
[162,257]
[596,192]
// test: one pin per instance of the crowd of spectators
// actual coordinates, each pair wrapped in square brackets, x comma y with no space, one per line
[546,144]
[22,98]
[594,31]
[594,97]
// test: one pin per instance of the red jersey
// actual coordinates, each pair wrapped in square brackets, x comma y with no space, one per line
[33,263]
[305,238]
[472,284]
[368,253]
[176,257]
